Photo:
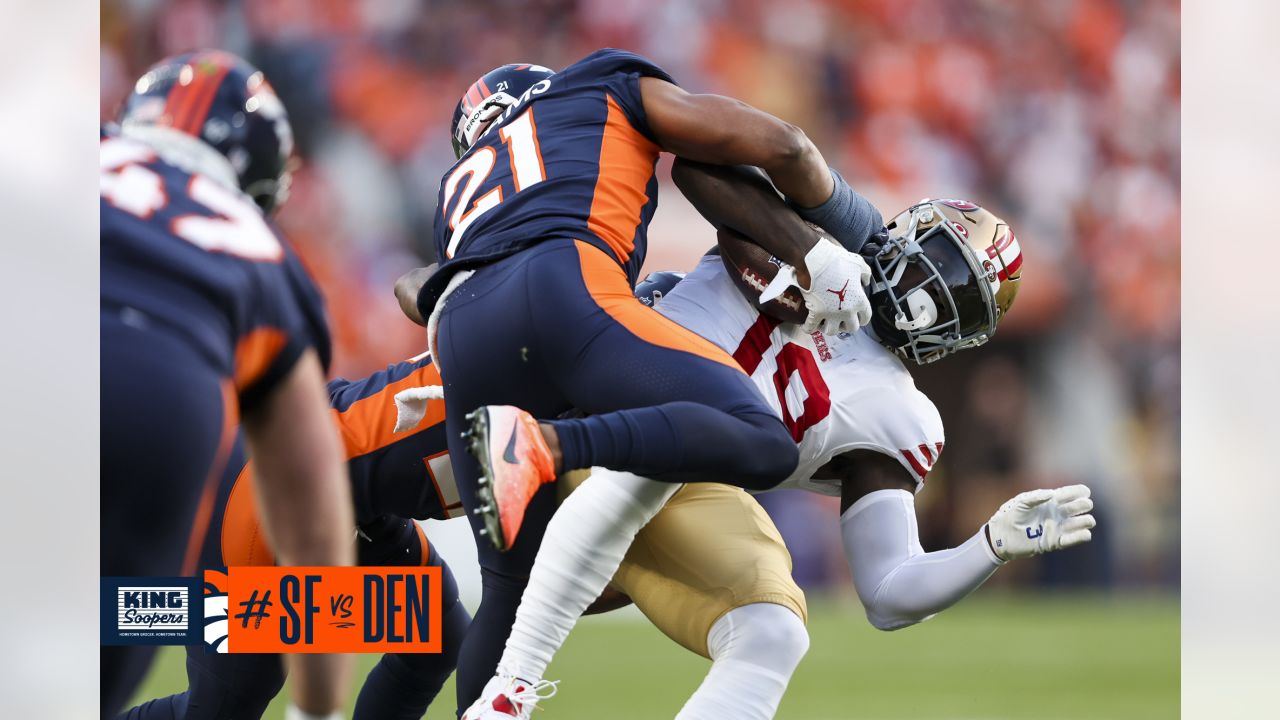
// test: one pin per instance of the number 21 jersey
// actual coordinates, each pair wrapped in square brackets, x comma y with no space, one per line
[572,159]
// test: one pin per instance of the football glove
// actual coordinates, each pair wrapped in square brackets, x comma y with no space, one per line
[1041,521]
[837,296]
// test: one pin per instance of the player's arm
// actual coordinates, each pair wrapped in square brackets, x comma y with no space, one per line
[302,489]
[898,582]
[723,131]
[741,199]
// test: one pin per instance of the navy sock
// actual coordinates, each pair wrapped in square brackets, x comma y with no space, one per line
[682,442]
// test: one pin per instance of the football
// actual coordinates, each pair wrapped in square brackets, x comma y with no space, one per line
[752,269]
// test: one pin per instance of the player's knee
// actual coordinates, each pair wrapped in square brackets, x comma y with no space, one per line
[787,639]
[761,632]
[245,692]
[773,457]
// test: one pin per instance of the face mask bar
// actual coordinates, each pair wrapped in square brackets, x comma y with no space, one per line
[479,121]
[943,338]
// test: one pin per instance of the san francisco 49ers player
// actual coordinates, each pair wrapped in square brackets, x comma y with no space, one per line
[944,274]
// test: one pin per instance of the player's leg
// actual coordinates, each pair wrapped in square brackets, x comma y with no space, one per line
[711,571]
[226,685]
[404,685]
[662,402]
[689,402]
[166,423]
[560,326]
[484,342]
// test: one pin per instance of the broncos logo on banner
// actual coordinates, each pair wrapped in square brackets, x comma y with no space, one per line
[216,621]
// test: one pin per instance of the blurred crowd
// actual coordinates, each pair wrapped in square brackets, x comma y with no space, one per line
[1062,116]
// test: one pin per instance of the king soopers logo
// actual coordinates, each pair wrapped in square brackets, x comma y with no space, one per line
[154,609]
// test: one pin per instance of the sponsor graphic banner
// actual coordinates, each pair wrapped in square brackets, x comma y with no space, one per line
[149,611]
[323,609]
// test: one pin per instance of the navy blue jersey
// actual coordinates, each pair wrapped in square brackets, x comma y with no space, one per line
[187,254]
[574,159]
[405,474]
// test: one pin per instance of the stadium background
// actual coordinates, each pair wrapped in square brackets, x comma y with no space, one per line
[1060,115]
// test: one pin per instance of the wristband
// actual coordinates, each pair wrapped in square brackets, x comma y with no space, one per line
[850,218]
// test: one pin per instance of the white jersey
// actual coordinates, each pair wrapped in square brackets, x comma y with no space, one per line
[834,393]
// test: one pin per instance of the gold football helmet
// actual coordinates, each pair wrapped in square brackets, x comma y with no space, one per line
[942,278]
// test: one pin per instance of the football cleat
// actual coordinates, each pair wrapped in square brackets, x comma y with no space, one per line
[506,696]
[514,461]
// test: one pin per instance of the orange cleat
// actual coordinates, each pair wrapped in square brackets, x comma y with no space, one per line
[515,461]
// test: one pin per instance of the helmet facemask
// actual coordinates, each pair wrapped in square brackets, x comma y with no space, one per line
[929,290]
[476,124]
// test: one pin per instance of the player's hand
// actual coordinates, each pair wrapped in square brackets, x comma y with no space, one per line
[837,295]
[1041,521]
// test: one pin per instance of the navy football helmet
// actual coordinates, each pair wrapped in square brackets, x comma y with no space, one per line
[226,103]
[656,284]
[489,97]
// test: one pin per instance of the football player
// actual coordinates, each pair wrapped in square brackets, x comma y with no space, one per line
[395,476]
[540,234]
[945,273]
[209,321]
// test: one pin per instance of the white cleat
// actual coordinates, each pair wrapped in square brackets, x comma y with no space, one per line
[507,696]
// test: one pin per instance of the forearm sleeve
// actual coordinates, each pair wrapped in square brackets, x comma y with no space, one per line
[898,582]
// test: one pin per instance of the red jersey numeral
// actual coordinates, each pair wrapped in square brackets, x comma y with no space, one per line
[792,360]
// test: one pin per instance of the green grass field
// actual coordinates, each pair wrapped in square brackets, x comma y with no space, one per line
[993,656]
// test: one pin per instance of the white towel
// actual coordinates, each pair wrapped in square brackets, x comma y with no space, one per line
[411,405]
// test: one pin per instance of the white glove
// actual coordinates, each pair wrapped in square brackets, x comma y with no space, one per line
[1041,521]
[837,296]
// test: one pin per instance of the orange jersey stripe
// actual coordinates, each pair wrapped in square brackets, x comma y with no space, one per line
[244,543]
[608,286]
[255,352]
[204,512]
[369,423]
[626,166]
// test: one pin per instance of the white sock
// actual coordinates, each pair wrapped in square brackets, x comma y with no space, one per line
[293,712]
[581,550]
[754,650]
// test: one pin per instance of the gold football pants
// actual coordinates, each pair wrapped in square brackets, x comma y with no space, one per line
[712,548]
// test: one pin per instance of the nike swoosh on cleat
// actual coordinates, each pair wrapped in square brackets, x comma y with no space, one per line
[509,454]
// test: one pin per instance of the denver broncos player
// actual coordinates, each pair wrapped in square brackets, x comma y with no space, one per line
[207,321]
[945,273]
[540,234]
[395,476]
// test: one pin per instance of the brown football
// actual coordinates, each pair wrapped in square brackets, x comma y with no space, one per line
[752,269]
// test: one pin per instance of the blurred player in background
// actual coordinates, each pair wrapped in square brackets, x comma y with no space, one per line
[395,476]
[551,199]
[208,320]
[946,272]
